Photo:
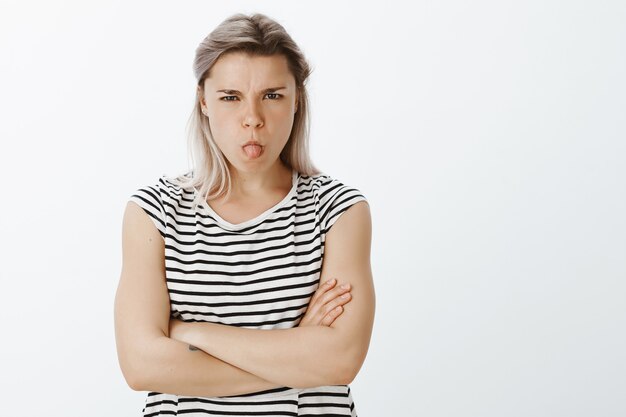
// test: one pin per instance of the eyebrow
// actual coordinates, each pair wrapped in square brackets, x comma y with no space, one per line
[267,90]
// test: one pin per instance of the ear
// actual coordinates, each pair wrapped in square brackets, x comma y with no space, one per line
[297,100]
[200,94]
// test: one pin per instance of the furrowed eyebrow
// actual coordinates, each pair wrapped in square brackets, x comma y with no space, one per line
[267,90]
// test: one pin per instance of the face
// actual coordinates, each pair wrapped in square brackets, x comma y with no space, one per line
[250,98]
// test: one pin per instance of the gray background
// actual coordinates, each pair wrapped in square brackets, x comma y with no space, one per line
[488,136]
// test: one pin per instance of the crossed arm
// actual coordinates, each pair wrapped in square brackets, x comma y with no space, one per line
[309,356]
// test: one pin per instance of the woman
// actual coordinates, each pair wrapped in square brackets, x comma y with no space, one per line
[224,303]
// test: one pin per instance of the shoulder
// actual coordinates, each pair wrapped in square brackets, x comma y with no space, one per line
[334,197]
[160,198]
[328,187]
[163,189]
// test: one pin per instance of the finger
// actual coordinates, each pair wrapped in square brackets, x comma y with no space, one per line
[319,306]
[322,289]
[330,317]
[333,306]
[339,301]
[336,292]
[313,315]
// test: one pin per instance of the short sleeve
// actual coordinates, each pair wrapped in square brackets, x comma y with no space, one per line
[335,199]
[150,199]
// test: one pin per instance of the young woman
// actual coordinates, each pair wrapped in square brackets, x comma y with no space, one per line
[229,299]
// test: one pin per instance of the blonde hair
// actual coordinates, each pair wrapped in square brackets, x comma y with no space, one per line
[256,34]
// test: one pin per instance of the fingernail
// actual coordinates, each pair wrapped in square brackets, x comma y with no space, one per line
[345,286]
[330,281]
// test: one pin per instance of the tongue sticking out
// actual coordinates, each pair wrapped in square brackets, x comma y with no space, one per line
[253,151]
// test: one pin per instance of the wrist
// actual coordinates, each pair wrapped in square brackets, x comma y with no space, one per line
[180,330]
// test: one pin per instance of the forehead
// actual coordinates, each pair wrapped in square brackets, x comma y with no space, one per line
[237,68]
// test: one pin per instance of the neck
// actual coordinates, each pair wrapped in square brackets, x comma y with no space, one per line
[253,184]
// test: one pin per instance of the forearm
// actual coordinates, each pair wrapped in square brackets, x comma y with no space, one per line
[169,366]
[299,357]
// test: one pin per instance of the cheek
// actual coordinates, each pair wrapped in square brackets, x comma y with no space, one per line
[220,133]
[221,122]
[287,122]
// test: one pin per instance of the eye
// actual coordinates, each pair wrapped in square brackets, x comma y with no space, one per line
[275,96]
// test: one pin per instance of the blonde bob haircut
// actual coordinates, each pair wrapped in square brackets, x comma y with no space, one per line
[256,35]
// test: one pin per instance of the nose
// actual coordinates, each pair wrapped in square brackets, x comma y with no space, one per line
[253,116]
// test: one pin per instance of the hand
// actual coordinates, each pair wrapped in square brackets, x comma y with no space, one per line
[325,305]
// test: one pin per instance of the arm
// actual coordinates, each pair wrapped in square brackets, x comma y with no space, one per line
[149,359]
[299,357]
[305,357]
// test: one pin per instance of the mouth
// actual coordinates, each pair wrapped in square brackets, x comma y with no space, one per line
[253,149]
[252,142]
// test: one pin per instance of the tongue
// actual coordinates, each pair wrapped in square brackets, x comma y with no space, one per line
[253,151]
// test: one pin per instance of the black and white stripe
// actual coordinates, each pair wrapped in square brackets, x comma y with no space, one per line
[258,274]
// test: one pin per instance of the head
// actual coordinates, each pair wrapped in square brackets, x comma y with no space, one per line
[250,98]
[249,54]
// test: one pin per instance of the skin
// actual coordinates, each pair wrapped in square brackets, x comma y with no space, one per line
[252,113]
[306,356]
[225,360]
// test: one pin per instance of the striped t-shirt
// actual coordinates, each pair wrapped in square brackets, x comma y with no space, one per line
[258,274]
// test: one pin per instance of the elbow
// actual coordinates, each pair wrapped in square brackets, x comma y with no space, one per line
[344,360]
[134,384]
[135,380]
[136,362]
[348,375]
[132,377]
[353,361]
[340,372]
[133,366]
